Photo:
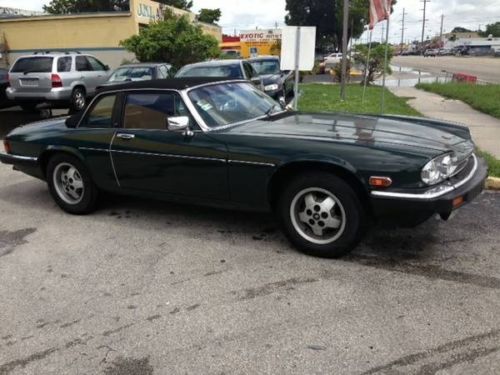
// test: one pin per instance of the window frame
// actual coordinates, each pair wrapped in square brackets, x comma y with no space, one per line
[114,115]
[193,124]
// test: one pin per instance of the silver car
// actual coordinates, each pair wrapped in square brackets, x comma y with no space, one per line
[60,79]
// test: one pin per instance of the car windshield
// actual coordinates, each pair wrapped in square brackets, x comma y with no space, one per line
[132,74]
[230,103]
[33,65]
[263,67]
[226,71]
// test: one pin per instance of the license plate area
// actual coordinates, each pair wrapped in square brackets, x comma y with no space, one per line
[29,82]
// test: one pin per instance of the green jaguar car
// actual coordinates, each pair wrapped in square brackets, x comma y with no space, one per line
[224,143]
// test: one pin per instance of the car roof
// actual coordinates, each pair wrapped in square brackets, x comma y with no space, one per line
[144,65]
[215,63]
[172,83]
[262,58]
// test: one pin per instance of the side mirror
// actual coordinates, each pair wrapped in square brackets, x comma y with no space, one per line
[179,124]
[256,81]
[282,102]
[106,67]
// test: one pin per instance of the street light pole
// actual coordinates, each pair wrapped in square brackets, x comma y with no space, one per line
[344,50]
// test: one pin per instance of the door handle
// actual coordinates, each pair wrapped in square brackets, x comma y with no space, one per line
[125,136]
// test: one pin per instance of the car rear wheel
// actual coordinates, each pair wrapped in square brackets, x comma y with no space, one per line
[322,215]
[78,99]
[70,185]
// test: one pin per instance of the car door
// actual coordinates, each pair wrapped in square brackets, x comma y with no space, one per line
[100,70]
[148,157]
[91,78]
[252,75]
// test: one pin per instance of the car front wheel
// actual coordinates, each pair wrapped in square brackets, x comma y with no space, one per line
[322,215]
[70,185]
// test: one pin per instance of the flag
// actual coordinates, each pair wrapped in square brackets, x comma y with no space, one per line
[380,10]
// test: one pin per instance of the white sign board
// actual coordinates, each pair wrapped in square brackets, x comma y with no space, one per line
[249,36]
[306,48]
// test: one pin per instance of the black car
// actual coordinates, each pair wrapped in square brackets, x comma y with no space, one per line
[276,83]
[227,144]
[4,83]
[138,72]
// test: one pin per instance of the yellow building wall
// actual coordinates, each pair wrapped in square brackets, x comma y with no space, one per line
[40,33]
[263,49]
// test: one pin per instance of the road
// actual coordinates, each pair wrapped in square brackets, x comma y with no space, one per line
[147,288]
[485,68]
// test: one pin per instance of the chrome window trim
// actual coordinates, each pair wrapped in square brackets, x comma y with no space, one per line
[20,157]
[169,155]
[432,193]
[251,163]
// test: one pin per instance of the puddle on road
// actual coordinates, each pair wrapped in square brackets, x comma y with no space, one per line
[409,77]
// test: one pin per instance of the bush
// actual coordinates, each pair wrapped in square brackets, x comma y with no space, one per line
[376,64]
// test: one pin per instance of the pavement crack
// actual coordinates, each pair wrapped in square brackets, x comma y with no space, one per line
[113,331]
[8,367]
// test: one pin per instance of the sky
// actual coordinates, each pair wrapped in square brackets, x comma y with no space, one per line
[250,14]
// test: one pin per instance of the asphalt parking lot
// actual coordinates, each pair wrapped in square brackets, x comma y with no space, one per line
[144,287]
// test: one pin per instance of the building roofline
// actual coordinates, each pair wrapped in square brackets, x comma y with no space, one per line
[66,16]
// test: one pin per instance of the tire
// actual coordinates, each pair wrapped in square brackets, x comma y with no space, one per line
[70,185]
[334,214]
[78,99]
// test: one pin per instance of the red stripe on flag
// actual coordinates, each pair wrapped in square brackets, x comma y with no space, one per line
[380,10]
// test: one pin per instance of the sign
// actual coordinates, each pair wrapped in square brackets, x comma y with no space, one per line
[252,36]
[298,52]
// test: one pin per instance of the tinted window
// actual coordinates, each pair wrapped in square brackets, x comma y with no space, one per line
[250,73]
[150,111]
[42,64]
[82,64]
[229,71]
[64,64]
[101,114]
[132,74]
[95,64]
[163,71]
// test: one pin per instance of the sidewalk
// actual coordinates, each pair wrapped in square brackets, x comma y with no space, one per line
[485,129]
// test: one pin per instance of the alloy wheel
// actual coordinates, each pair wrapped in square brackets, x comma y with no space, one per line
[68,183]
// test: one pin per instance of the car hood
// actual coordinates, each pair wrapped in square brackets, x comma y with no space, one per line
[374,131]
[268,79]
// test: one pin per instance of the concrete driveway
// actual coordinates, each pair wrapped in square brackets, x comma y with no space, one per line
[154,288]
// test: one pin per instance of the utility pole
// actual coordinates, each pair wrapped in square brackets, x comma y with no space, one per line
[423,22]
[344,50]
[441,32]
[382,35]
[403,30]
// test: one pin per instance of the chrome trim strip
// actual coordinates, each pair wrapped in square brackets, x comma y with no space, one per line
[93,149]
[112,161]
[169,155]
[432,193]
[251,163]
[20,157]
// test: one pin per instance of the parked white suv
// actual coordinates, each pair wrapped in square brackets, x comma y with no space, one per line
[61,79]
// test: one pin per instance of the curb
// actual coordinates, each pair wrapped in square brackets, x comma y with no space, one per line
[493,183]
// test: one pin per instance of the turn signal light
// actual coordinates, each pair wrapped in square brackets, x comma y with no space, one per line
[56,80]
[6,145]
[380,182]
[457,202]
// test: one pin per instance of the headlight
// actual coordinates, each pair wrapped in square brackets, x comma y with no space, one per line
[439,169]
[272,87]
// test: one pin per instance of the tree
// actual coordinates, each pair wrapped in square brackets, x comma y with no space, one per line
[491,29]
[175,40]
[181,4]
[376,63]
[209,15]
[81,6]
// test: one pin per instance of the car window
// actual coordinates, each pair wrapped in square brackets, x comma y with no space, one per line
[226,71]
[151,110]
[41,64]
[132,74]
[263,67]
[82,64]
[163,71]
[64,64]
[101,114]
[95,64]
[249,71]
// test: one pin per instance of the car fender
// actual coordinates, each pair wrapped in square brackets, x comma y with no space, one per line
[53,149]
[79,83]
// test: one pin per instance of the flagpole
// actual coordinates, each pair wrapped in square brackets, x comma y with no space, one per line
[382,106]
[367,67]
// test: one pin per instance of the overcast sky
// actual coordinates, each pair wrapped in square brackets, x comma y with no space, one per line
[249,14]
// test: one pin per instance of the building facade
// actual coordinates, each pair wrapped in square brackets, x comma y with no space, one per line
[98,34]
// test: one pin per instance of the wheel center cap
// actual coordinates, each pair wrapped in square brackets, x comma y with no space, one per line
[316,216]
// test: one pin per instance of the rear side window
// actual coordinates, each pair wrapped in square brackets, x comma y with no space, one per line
[39,64]
[150,111]
[82,64]
[101,114]
[250,72]
[163,71]
[226,71]
[64,64]
[95,64]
